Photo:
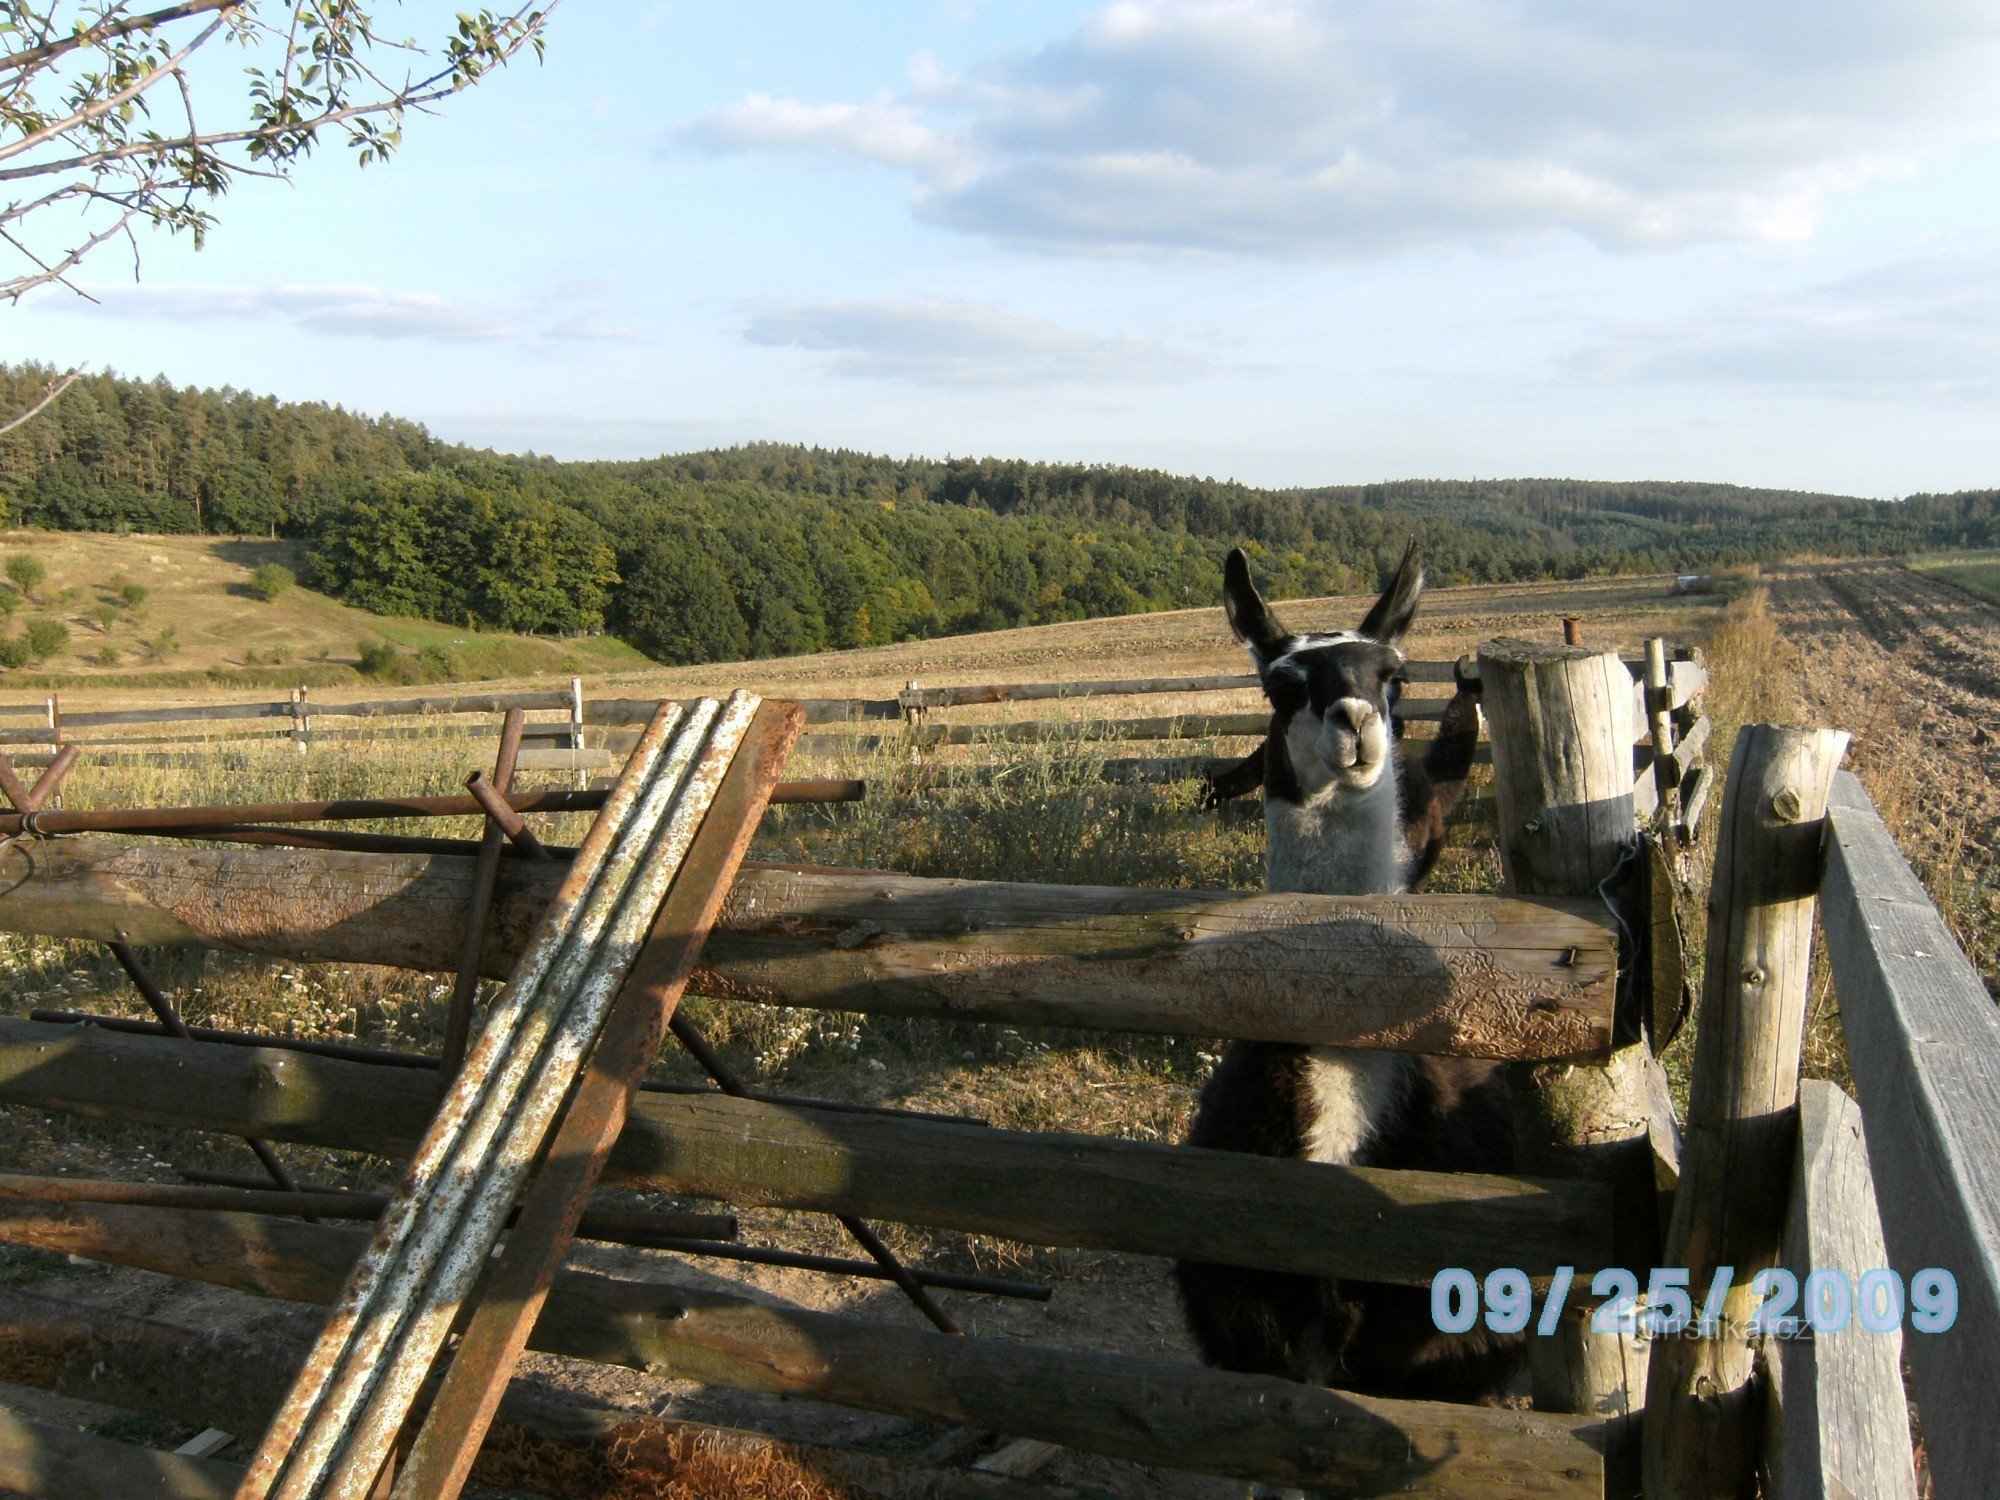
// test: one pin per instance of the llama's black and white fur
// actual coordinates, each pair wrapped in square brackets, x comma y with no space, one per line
[1336,808]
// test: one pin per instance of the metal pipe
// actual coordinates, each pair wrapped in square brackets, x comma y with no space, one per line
[541,799]
[759,1255]
[503,817]
[353,1052]
[170,1019]
[713,1064]
[510,1131]
[284,1442]
[614,1226]
[485,878]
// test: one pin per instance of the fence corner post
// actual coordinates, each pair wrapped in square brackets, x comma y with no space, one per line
[1563,720]
[1704,1418]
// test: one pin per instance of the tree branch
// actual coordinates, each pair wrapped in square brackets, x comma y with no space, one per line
[36,410]
[48,52]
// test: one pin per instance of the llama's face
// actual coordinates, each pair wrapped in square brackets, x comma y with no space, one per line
[1335,695]
[1332,695]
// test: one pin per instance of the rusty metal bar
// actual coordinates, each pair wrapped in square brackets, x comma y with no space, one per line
[10,784]
[485,878]
[712,1063]
[235,1193]
[351,1052]
[560,931]
[503,817]
[170,1018]
[760,1255]
[494,1122]
[541,799]
[705,842]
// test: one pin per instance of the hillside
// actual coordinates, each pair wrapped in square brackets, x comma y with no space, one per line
[779,550]
[200,621]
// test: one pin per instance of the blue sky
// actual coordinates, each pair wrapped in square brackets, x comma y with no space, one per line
[1281,242]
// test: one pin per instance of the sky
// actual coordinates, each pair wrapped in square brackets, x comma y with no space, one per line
[1287,243]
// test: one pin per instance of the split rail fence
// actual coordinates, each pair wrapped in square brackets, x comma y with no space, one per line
[575,732]
[1574,975]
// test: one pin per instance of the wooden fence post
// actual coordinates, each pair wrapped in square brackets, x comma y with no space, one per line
[1659,717]
[1704,1418]
[1563,720]
[301,719]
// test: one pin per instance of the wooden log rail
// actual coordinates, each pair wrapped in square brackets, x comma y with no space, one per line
[568,1446]
[1474,975]
[1045,1189]
[1149,1411]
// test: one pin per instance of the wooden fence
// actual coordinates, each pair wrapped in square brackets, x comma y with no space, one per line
[593,734]
[1563,975]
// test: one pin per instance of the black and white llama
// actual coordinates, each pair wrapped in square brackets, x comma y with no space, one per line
[1346,815]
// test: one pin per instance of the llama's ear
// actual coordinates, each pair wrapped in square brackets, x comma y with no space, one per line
[1251,619]
[1391,616]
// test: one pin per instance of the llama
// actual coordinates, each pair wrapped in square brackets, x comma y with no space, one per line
[1338,823]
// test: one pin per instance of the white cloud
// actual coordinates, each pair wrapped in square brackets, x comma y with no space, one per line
[1300,128]
[879,130]
[357,312]
[349,311]
[969,343]
[589,330]
[1921,327]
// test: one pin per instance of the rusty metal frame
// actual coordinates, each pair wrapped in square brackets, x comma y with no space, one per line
[485,880]
[552,943]
[442,1454]
[434,1241]
[712,1063]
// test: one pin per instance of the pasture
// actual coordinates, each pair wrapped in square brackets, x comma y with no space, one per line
[1792,651]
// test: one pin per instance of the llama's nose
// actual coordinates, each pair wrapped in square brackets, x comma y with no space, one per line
[1356,713]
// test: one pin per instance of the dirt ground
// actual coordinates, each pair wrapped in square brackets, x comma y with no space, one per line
[1904,657]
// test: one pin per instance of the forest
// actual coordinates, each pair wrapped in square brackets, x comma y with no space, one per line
[772,549]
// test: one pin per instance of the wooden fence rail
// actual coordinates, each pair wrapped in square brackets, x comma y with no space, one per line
[1923,1041]
[1044,1189]
[1687,679]
[1150,1411]
[1476,975]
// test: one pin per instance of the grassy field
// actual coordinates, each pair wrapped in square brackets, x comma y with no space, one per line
[1976,572]
[200,624]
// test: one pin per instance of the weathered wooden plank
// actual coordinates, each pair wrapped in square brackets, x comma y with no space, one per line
[1923,1040]
[1146,1410]
[1476,975]
[1839,1423]
[1048,1189]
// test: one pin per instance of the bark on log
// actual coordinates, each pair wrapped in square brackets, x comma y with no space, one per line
[1148,1411]
[1562,721]
[1040,1188]
[39,1458]
[568,1448]
[1472,975]
[1704,1420]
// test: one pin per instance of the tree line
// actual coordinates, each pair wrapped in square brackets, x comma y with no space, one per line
[773,549]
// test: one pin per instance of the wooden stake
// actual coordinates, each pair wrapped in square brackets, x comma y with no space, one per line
[1704,1421]
[1562,722]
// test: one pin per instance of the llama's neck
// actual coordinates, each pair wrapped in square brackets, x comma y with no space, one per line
[1343,842]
